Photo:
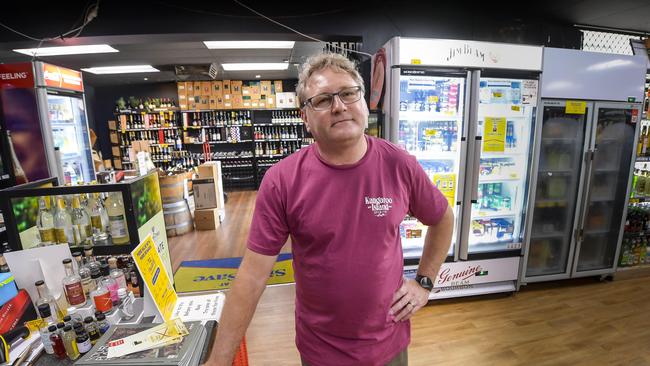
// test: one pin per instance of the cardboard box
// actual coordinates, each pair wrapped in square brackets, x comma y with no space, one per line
[205,193]
[220,103]
[113,137]
[227,105]
[209,170]
[236,87]
[270,101]
[226,87]
[213,102]
[246,91]
[217,87]
[206,88]
[180,86]
[205,102]
[255,90]
[112,125]
[196,87]
[265,87]
[206,219]
[116,151]
[227,97]
[117,164]
[286,100]
[255,103]
[183,106]
[277,87]
[237,101]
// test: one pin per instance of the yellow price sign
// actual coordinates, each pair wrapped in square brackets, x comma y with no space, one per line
[416,61]
[430,132]
[575,107]
[497,94]
[515,108]
[432,99]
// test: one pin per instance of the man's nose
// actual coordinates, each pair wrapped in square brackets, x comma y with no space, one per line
[337,104]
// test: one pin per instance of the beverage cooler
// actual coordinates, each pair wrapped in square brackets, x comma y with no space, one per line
[590,112]
[466,110]
[43,107]
[117,216]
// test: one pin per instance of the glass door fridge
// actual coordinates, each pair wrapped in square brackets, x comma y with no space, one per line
[502,151]
[607,186]
[559,173]
[431,121]
[70,133]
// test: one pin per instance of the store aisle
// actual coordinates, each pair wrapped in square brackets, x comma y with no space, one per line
[572,322]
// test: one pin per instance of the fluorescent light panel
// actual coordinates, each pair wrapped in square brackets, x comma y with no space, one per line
[255,66]
[248,44]
[121,69]
[67,50]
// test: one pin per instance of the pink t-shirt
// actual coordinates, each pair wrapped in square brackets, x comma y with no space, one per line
[344,227]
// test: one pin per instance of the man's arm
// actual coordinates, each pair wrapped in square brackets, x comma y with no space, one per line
[436,245]
[240,305]
[410,297]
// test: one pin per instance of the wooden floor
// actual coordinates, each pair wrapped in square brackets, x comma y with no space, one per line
[572,322]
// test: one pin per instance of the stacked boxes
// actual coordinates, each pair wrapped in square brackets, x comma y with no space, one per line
[234,94]
[208,196]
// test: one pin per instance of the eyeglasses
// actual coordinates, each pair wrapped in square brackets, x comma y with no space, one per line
[324,101]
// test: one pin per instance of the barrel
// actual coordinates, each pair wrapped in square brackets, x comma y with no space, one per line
[172,187]
[178,219]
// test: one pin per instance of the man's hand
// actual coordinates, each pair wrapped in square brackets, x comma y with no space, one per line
[407,300]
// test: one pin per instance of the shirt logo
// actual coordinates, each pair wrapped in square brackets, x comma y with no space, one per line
[379,205]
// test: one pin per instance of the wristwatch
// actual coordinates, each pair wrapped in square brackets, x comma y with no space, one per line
[425,282]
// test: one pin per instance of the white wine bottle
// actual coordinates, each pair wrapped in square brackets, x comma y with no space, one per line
[45,222]
[63,224]
[117,218]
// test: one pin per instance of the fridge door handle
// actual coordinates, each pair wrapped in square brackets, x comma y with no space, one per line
[475,169]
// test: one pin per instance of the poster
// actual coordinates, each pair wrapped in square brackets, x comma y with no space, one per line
[494,134]
[446,183]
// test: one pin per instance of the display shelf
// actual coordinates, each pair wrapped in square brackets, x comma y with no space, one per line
[488,179]
[279,124]
[641,159]
[493,214]
[276,140]
[430,155]
[147,111]
[547,203]
[639,199]
[417,116]
[553,234]
[271,156]
[597,232]
[558,139]
[232,157]
[640,267]
[555,171]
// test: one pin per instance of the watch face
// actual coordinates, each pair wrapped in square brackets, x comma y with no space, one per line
[426,283]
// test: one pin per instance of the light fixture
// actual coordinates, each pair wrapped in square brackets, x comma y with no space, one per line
[67,50]
[255,66]
[121,69]
[248,44]
[145,79]
[258,76]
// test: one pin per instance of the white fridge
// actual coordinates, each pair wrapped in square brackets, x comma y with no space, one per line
[466,110]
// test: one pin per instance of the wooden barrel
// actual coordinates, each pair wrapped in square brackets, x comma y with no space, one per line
[172,187]
[178,219]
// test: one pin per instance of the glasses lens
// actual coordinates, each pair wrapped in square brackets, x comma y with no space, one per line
[350,95]
[322,101]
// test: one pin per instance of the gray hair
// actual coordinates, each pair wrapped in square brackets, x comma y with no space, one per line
[328,60]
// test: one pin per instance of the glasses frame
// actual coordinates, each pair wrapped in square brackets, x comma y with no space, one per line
[358,88]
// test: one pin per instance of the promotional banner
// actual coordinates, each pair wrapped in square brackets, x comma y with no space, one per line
[494,134]
[60,77]
[218,274]
[445,184]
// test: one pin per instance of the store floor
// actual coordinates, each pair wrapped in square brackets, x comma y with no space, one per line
[576,322]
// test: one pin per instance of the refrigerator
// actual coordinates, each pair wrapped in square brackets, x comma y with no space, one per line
[466,110]
[590,112]
[43,107]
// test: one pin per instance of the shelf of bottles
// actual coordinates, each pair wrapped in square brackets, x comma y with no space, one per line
[161,129]
[634,248]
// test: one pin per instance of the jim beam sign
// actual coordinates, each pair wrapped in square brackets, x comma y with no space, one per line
[475,272]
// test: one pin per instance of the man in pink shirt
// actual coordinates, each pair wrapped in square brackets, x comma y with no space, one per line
[341,201]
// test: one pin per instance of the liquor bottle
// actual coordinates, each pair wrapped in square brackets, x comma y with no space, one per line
[100,294]
[63,224]
[89,261]
[57,342]
[643,143]
[45,222]
[82,340]
[46,315]
[93,330]
[102,324]
[84,273]
[72,287]
[46,298]
[117,218]
[69,342]
[81,223]
[19,173]
[116,273]
[4,267]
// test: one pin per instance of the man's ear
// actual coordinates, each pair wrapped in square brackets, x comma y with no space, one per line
[303,115]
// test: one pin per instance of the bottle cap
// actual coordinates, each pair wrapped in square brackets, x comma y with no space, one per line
[77,326]
[67,318]
[51,328]
[39,283]
[100,316]
[60,325]
[67,260]
[44,310]
[67,328]
[95,274]
[88,320]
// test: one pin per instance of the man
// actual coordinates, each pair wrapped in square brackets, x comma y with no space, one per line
[341,200]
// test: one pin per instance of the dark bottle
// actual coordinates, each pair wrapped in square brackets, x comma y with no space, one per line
[57,343]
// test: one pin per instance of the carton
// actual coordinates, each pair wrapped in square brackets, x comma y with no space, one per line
[114,138]
[277,86]
[265,87]
[236,87]
[206,219]
[217,88]
[206,88]
[226,87]
[112,125]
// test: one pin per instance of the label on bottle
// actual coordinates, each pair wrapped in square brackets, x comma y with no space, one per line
[103,302]
[97,222]
[118,226]
[47,235]
[61,236]
[89,230]
[83,346]
[74,292]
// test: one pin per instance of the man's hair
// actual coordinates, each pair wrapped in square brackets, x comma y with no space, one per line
[334,61]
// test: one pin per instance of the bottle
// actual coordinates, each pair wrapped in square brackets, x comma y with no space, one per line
[69,342]
[4,267]
[74,315]
[98,218]
[110,284]
[116,273]
[83,341]
[67,320]
[90,260]
[57,343]
[116,218]
[84,274]
[19,173]
[81,223]
[45,222]
[126,305]
[72,287]
[63,224]
[102,324]
[46,298]
[100,294]
[92,329]
[44,311]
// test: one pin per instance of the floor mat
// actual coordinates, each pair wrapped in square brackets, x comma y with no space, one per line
[218,274]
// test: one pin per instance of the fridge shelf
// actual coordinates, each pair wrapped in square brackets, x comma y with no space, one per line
[597,232]
[609,170]
[426,116]
[564,140]
[149,129]
[65,122]
[547,203]
[642,159]
[412,243]
[489,179]
[493,214]
[431,155]
[602,199]
[507,153]
[553,234]
[558,171]
[639,199]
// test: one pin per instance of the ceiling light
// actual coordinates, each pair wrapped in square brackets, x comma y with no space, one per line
[258,76]
[121,69]
[145,79]
[67,50]
[248,44]
[256,66]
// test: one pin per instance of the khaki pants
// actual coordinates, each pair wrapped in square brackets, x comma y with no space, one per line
[402,359]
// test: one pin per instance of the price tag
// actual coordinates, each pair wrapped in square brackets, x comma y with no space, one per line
[416,61]
[430,132]
[497,94]
[433,99]
[515,108]
[575,107]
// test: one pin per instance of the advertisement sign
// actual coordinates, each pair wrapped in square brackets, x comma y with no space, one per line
[16,75]
[62,78]
[494,134]
[445,182]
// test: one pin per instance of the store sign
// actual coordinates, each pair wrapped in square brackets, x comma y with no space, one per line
[60,77]
[17,75]
[443,52]
[475,272]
